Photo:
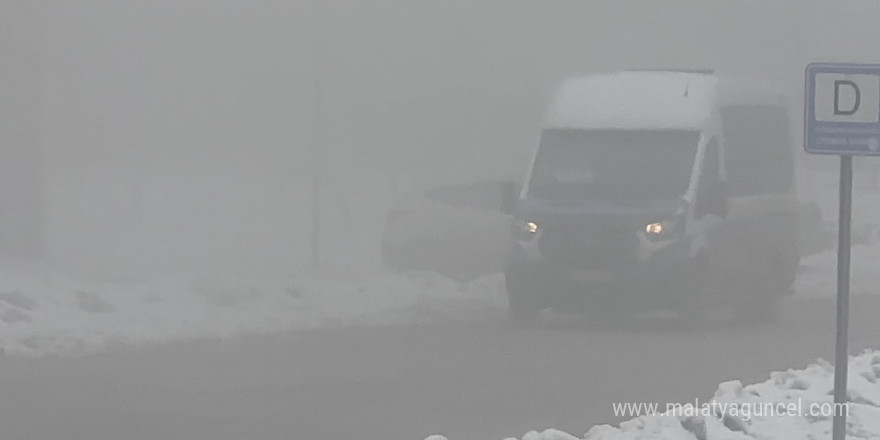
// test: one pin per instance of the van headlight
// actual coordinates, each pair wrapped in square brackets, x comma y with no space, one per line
[524,230]
[663,230]
[656,228]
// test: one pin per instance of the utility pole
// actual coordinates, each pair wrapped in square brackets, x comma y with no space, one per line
[318,134]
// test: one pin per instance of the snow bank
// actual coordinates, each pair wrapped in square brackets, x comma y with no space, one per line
[804,394]
[43,312]
[818,276]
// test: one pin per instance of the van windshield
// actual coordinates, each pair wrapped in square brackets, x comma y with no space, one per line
[613,165]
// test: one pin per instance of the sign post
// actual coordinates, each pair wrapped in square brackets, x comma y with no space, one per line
[841,351]
[842,117]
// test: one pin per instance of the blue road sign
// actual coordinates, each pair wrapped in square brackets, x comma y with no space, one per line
[842,117]
[842,109]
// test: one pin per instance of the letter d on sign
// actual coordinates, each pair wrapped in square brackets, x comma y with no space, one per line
[847,98]
[856,103]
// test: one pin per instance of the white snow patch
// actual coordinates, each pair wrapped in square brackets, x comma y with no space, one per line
[818,276]
[43,312]
[796,390]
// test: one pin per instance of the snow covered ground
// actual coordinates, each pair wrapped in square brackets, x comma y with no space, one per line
[42,312]
[818,276]
[793,404]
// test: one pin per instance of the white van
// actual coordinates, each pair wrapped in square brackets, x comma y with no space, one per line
[657,189]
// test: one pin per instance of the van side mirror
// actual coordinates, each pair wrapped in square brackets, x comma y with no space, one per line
[717,200]
[509,197]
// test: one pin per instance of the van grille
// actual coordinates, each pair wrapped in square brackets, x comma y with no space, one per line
[612,247]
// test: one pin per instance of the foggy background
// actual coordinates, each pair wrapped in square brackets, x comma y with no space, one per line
[145,138]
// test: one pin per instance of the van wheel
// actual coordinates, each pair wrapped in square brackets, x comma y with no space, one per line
[522,310]
[762,295]
[695,292]
[523,317]
[523,307]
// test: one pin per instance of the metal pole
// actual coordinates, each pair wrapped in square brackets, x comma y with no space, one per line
[316,207]
[318,138]
[841,354]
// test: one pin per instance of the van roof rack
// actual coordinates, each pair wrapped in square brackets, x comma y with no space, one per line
[684,70]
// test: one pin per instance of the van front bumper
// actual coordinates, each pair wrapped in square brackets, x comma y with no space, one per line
[655,274]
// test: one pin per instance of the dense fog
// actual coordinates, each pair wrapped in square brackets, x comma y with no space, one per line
[312,219]
[145,138]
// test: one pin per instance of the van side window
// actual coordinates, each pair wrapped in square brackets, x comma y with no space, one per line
[708,179]
[758,149]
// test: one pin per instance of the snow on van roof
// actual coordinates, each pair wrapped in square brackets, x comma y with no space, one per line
[649,100]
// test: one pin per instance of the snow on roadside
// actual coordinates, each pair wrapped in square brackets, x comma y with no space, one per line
[793,404]
[818,275]
[43,312]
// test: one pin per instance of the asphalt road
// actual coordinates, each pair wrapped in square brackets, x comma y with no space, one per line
[464,380]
